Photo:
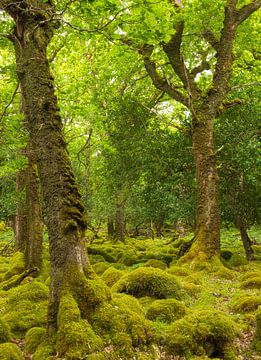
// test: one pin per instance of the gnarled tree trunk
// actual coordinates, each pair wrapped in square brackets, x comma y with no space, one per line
[64,211]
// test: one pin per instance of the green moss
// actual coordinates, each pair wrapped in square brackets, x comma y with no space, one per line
[76,339]
[149,282]
[100,267]
[94,259]
[192,290]
[121,327]
[166,310]
[17,261]
[92,250]
[68,309]
[33,338]
[10,351]
[251,274]
[257,337]
[206,333]
[128,258]
[44,352]
[155,263]
[26,307]
[5,331]
[129,302]
[252,283]
[178,271]
[225,273]
[237,260]
[246,303]
[111,276]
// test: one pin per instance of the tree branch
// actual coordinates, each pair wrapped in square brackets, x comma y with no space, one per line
[10,102]
[211,39]
[247,10]
[159,82]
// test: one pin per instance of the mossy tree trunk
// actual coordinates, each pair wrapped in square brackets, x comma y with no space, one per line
[34,25]
[119,234]
[110,227]
[34,240]
[20,221]
[204,107]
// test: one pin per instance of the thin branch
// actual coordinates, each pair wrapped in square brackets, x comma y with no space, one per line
[242,86]
[247,10]
[10,102]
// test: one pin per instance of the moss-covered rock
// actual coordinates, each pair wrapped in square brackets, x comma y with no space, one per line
[9,351]
[166,310]
[257,338]
[237,260]
[33,338]
[111,276]
[252,283]
[17,261]
[155,263]
[178,271]
[206,333]
[100,267]
[149,282]
[251,274]
[5,331]
[128,301]
[95,250]
[246,303]
[44,351]
[128,257]
[224,273]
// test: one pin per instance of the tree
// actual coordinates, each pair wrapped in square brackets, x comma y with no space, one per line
[34,25]
[188,51]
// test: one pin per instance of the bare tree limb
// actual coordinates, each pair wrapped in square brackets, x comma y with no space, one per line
[10,102]
[247,10]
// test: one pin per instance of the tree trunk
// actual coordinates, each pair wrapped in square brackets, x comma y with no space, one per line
[110,228]
[120,222]
[20,221]
[63,207]
[206,244]
[33,244]
[247,243]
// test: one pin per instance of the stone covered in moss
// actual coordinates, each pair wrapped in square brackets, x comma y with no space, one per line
[257,338]
[246,303]
[5,331]
[9,351]
[17,261]
[111,276]
[33,338]
[206,333]
[128,301]
[155,263]
[178,271]
[237,260]
[128,257]
[149,282]
[27,307]
[166,310]
[252,283]
[44,352]
[100,267]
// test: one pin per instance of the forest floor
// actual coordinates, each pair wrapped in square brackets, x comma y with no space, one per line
[231,292]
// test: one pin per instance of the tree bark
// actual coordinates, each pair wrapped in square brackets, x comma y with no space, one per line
[33,244]
[20,221]
[247,243]
[120,222]
[110,227]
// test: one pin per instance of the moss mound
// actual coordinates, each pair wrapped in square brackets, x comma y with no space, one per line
[166,310]
[121,327]
[75,337]
[92,250]
[246,303]
[5,331]
[149,282]
[178,271]
[129,302]
[10,351]
[33,338]
[128,257]
[252,283]
[111,276]
[26,307]
[257,338]
[17,261]
[100,267]
[206,333]
[237,260]
[155,263]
